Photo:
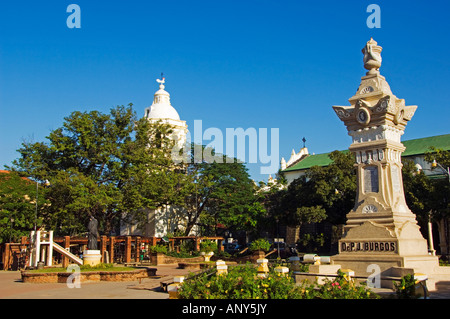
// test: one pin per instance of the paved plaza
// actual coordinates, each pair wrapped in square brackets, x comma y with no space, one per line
[12,287]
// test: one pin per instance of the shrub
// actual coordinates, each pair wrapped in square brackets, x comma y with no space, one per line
[242,282]
[208,246]
[183,254]
[405,288]
[159,249]
[260,244]
[223,254]
[187,246]
[311,242]
[444,262]
[342,288]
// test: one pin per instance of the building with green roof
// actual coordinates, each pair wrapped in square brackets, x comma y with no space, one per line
[299,163]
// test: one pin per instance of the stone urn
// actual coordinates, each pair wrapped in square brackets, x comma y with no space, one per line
[207,255]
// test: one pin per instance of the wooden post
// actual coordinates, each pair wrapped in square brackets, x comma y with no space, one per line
[111,249]
[65,260]
[138,248]
[103,242]
[197,244]
[128,249]
[6,256]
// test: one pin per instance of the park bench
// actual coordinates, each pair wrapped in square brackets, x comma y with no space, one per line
[165,283]
[168,281]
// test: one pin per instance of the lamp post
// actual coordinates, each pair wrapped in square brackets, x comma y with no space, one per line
[430,236]
[36,210]
[435,164]
[419,168]
[11,221]
[46,183]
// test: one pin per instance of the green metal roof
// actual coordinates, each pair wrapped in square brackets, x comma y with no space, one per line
[310,161]
[413,147]
[422,145]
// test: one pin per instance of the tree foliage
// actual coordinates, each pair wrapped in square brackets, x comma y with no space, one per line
[221,192]
[18,206]
[99,165]
[428,197]
[323,193]
[116,167]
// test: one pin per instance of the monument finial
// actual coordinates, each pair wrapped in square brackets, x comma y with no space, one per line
[372,56]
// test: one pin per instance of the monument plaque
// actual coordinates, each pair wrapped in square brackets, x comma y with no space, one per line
[371,179]
[380,229]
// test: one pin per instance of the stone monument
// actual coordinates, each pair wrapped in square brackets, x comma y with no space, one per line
[92,255]
[380,229]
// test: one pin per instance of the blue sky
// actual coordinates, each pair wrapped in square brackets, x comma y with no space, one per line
[249,63]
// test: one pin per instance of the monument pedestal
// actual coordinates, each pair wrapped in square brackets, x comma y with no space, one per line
[389,266]
[372,248]
[91,257]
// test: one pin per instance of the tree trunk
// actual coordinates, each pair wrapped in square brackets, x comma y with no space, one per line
[189,227]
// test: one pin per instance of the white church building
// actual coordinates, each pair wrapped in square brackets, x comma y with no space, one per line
[164,220]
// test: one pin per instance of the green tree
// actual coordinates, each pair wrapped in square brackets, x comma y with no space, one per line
[18,206]
[220,191]
[440,156]
[429,198]
[154,180]
[103,165]
[323,193]
[271,196]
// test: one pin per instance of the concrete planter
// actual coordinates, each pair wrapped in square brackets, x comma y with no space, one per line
[61,277]
[200,265]
[207,255]
[92,257]
[163,259]
[195,265]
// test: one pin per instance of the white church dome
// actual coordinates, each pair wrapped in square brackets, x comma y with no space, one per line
[161,107]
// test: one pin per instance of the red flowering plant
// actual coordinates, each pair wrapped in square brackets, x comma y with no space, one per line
[343,287]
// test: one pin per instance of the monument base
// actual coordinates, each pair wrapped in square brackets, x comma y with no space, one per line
[92,257]
[387,265]
[372,248]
